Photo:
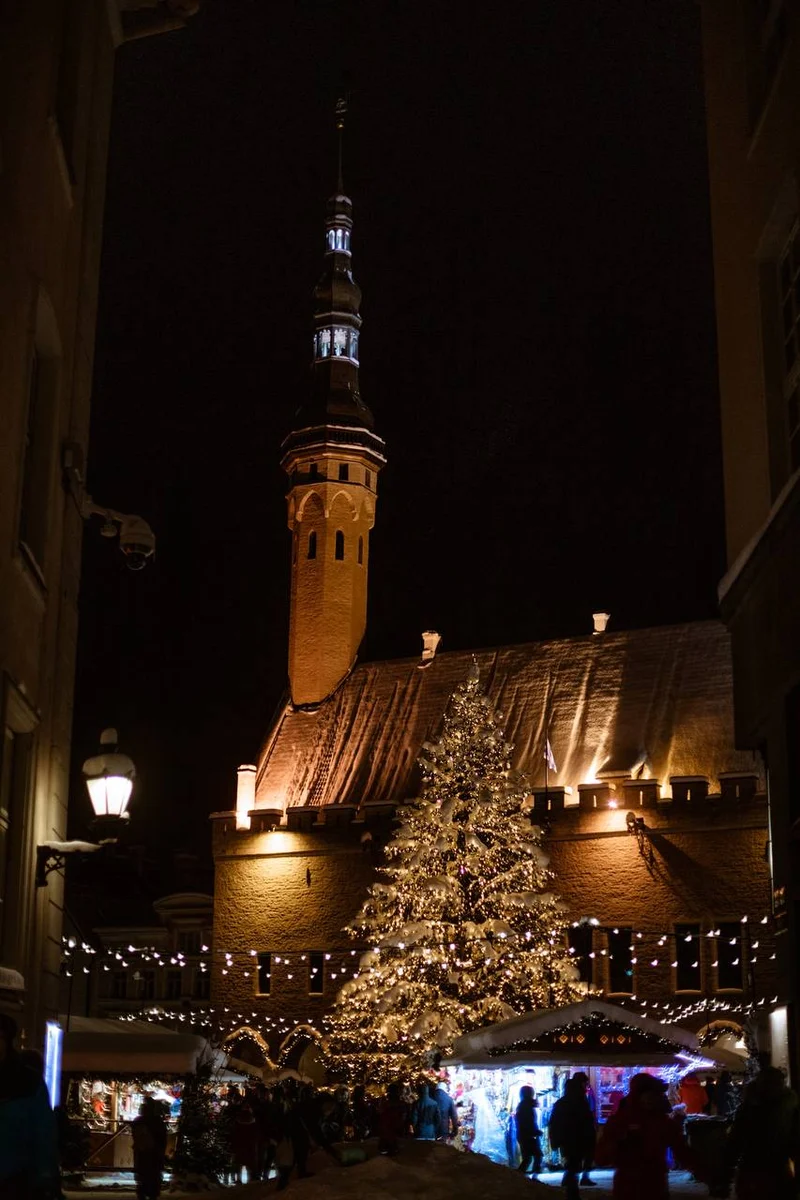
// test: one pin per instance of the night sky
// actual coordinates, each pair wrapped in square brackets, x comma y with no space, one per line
[532,241]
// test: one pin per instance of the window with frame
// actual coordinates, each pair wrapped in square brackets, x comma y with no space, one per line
[579,942]
[620,961]
[687,958]
[264,977]
[339,551]
[202,985]
[189,941]
[316,973]
[730,956]
[173,985]
[118,989]
[344,472]
[16,783]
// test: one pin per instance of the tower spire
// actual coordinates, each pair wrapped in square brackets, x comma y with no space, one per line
[341,112]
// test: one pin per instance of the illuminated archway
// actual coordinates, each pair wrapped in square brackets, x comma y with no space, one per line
[247,1046]
[301,1051]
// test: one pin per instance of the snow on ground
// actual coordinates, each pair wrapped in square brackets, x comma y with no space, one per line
[421,1171]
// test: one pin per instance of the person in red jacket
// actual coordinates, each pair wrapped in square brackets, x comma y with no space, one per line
[635,1141]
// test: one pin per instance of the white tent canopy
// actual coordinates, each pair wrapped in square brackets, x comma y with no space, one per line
[97,1046]
[493,1045]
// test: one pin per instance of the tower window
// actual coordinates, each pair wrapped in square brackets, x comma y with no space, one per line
[316,974]
[339,545]
[312,545]
[360,551]
[339,239]
[620,965]
[579,940]
[313,471]
[344,471]
[368,479]
[730,947]
[687,956]
[294,548]
[342,342]
[264,974]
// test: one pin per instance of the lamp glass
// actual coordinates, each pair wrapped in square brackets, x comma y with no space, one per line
[109,794]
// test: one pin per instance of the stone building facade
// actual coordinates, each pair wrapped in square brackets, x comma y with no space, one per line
[751,56]
[656,825]
[56,75]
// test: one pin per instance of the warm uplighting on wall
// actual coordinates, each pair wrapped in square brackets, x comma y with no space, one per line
[245,794]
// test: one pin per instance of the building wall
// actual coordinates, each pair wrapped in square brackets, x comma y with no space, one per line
[708,865]
[56,76]
[752,80]
[56,70]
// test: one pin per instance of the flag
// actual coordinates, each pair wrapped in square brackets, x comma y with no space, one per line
[548,757]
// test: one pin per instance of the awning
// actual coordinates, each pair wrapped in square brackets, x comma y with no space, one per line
[104,1047]
[613,1035]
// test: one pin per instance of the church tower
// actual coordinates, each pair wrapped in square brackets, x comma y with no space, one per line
[332,458]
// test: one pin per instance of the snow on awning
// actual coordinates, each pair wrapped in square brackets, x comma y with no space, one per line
[105,1047]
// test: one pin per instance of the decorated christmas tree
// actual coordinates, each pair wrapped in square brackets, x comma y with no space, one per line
[462,928]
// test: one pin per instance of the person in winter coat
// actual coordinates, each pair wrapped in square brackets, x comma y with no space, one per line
[149,1135]
[244,1140]
[427,1122]
[571,1132]
[588,1092]
[636,1142]
[392,1120]
[29,1166]
[448,1117]
[529,1135]
[764,1140]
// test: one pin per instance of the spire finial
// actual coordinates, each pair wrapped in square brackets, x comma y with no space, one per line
[341,112]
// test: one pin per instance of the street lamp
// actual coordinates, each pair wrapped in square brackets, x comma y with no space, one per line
[109,778]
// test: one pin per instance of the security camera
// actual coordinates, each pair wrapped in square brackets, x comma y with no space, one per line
[136,541]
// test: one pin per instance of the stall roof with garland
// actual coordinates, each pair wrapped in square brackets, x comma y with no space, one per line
[652,699]
[590,1032]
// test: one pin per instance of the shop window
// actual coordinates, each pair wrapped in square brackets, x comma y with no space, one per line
[173,985]
[579,941]
[202,985]
[312,545]
[264,974]
[339,545]
[344,472]
[119,985]
[687,958]
[620,961]
[189,941]
[730,956]
[360,551]
[316,974]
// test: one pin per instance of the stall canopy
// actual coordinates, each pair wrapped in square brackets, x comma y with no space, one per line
[592,1032]
[103,1047]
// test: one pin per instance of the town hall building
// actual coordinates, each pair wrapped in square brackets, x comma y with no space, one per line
[656,826]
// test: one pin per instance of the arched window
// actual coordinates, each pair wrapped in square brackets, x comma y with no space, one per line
[360,551]
[312,545]
[339,545]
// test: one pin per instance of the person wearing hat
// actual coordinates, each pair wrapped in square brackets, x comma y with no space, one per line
[29,1167]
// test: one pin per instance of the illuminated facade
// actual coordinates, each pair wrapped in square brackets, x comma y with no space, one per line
[56,74]
[656,824]
[751,54]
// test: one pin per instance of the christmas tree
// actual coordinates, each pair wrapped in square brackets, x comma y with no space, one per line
[462,926]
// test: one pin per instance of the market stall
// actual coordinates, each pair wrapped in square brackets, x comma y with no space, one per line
[542,1050]
[110,1066]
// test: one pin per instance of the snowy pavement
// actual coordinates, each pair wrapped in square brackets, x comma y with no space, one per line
[421,1171]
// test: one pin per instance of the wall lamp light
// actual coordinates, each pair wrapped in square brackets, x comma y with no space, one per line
[109,778]
[637,828]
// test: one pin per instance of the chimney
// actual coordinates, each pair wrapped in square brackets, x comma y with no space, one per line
[245,794]
[430,644]
[600,622]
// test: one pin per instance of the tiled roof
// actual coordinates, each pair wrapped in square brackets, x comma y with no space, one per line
[660,697]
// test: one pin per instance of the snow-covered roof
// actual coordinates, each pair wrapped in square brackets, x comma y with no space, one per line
[653,698]
[93,1045]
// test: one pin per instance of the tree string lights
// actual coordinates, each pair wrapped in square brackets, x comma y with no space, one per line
[463,929]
